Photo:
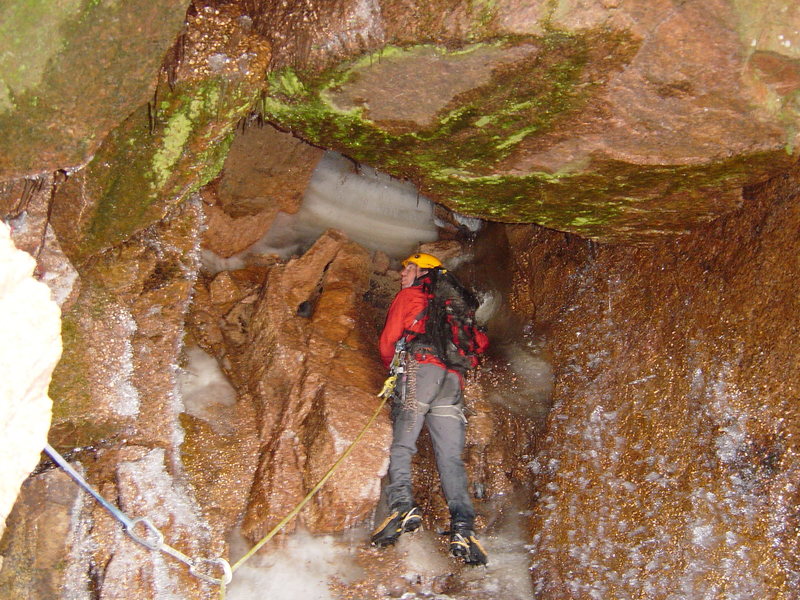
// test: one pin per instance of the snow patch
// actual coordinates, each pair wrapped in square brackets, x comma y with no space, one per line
[301,567]
[202,385]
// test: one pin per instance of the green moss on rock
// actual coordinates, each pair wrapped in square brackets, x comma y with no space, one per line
[465,157]
[152,162]
[524,99]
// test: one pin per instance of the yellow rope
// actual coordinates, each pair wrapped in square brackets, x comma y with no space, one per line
[308,497]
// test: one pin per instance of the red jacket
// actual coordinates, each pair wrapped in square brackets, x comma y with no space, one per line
[405,309]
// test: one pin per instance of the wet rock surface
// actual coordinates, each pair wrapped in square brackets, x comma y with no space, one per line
[624,122]
[38,569]
[115,400]
[314,379]
[671,443]
[90,65]
[117,377]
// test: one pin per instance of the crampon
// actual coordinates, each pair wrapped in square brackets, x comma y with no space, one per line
[397,523]
[464,545]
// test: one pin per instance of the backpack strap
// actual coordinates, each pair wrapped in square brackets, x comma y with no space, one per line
[409,334]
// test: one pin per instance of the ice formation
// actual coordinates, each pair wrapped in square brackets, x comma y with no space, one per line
[57,271]
[306,566]
[203,385]
[31,326]
[123,397]
[471,224]
[533,379]
[146,487]
[373,209]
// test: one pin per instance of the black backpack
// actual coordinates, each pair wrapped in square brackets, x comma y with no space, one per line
[450,325]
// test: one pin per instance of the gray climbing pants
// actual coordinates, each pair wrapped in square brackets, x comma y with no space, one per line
[438,406]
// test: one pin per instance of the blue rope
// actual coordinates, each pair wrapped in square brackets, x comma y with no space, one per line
[61,461]
[154,539]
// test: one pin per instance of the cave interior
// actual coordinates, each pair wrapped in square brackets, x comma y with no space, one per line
[217,195]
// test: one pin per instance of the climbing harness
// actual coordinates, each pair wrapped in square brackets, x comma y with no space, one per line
[396,370]
[400,385]
[452,411]
[154,539]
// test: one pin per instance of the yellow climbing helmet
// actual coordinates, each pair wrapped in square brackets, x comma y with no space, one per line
[423,261]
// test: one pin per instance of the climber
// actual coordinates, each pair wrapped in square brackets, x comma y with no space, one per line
[430,393]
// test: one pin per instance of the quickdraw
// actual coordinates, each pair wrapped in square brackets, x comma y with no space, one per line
[151,537]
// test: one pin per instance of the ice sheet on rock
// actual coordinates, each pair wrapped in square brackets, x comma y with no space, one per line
[373,209]
[490,303]
[712,535]
[122,393]
[472,224]
[527,385]
[147,489]
[81,547]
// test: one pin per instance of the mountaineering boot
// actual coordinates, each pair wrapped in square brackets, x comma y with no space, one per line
[464,545]
[399,521]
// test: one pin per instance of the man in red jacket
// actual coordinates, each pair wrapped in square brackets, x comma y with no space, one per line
[432,395]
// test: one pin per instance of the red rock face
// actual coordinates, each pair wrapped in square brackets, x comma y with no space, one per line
[45,502]
[313,380]
[669,449]
[670,461]
[116,416]
[265,172]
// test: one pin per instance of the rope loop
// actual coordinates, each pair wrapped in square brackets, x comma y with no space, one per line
[202,563]
[154,543]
